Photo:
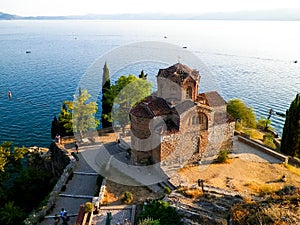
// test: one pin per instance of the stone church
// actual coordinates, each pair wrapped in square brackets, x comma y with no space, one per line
[177,125]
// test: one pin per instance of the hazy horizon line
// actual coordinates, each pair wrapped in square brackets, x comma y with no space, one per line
[272,14]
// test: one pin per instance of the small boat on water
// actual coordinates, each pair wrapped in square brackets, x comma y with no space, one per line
[9,94]
[27,52]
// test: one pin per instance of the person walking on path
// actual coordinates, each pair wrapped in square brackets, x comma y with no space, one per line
[63,215]
[201,184]
[56,219]
[76,147]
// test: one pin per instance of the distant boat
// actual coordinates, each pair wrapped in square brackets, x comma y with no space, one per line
[184,47]
[28,52]
[295,61]
[9,94]
[165,37]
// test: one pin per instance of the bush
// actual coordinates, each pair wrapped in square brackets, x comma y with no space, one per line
[149,221]
[268,140]
[127,197]
[167,190]
[162,211]
[222,156]
[11,214]
[241,112]
[89,207]
[238,125]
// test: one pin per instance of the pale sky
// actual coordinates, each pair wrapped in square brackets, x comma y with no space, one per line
[82,7]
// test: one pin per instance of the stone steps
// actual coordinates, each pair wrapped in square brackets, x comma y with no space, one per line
[211,208]
[76,196]
[166,183]
[85,173]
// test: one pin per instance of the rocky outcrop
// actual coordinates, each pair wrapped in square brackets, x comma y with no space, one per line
[57,160]
[210,208]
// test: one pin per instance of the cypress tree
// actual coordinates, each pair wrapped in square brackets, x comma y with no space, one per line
[290,143]
[143,75]
[55,128]
[106,106]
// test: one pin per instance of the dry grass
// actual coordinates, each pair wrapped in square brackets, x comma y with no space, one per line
[106,138]
[292,169]
[254,133]
[109,198]
[115,192]
[266,190]
[260,189]
[246,177]
[273,210]
[191,192]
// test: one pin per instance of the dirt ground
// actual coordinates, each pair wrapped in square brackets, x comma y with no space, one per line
[243,176]
[114,192]
[249,173]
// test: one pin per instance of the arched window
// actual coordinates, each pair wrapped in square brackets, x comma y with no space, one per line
[200,120]
[188,93]
[203,121]
[195,120]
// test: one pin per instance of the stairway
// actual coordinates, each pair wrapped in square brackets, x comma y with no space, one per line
[211,208]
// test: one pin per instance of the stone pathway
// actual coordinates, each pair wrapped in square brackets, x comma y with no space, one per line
[79,190]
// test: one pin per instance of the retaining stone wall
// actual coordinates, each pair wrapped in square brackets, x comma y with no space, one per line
[264,149]
[36,216]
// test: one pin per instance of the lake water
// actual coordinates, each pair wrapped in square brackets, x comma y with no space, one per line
[250,60]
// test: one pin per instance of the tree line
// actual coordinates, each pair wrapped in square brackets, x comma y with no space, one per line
[78,116]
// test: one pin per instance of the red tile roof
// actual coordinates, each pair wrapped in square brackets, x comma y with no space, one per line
[214,99]
[150,107]
[178,73]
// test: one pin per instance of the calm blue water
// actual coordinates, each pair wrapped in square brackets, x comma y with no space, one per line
[251,60]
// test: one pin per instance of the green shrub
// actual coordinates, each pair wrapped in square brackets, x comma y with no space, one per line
[241,112]
[238,125]
[10,214]
[268,140]
[167,190]
[149,221]
[162,211]
[89,207]
[127,197]
[222,156]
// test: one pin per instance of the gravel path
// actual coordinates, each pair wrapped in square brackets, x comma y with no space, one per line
[248,153]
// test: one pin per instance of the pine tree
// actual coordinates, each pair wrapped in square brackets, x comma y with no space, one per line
[290,143]
[106,107]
